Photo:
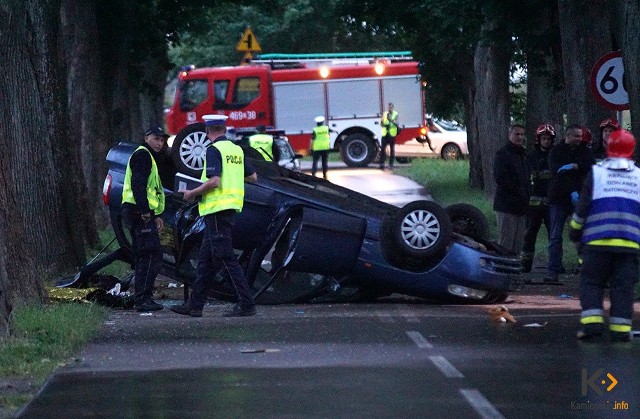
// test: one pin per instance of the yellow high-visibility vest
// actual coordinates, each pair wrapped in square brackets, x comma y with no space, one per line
[230,193]
[264,144]
[155,194]
[389,123]
[321,140]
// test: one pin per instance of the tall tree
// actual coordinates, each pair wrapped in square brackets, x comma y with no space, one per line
[630,45]
[586,35]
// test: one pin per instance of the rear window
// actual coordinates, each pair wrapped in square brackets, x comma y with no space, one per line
[247,90]
[192,93]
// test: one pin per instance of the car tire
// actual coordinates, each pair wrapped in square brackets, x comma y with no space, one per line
[189,149]
[419,232]
[469,221]
[358,150]
[450,152]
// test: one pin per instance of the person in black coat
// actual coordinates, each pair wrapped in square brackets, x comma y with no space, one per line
[511,199]
[538,211]
[569,163]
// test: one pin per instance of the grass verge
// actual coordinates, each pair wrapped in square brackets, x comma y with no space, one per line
[44,338]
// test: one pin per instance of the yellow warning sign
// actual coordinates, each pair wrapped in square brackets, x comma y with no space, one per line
[248,42]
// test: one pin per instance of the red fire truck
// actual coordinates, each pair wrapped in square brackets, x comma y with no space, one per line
[287,91]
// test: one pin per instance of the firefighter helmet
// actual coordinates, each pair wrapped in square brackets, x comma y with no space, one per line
[586,135]
[622,143]
[609,122]
[546,129]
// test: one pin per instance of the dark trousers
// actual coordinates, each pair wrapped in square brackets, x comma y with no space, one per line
[619,270]
[147,252]
[216,254]
[536,215]
[317,154]
[558,215]
[390,141]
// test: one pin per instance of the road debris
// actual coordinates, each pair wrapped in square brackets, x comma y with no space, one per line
[535,324]
[501,314]
[258,351]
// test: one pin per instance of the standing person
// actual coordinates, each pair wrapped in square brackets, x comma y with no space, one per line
[222,194]
[511,199]
[320,145]
[569,163]
[599,148]
[538,211]
[263,142]
[606,224]
[389,125]
[142,203]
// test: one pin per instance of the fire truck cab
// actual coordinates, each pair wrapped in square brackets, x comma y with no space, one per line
[287,91]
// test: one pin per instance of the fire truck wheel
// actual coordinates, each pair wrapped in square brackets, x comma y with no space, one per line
[469,221]
[189,150]
[419,231]
[358,150]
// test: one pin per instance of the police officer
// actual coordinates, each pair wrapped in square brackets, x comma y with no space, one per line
[222,197]
[320,145]
[263,142]
[607,225]
[142,203]
[538,211]
[389,125]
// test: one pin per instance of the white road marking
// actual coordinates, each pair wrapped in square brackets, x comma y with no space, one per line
[446,367]
[480,404]
[419,340]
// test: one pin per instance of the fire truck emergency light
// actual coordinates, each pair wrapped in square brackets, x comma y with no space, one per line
[324,71]
[379,68]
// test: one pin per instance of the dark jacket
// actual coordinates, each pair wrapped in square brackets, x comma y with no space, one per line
[511,177]
[540,175]
[140,164]
[562,184]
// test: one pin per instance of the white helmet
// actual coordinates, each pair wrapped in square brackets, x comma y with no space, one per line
[319,119]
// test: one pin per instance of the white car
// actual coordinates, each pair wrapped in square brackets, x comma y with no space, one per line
[448,140]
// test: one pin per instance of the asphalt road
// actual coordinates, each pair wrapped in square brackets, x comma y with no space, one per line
[390,359]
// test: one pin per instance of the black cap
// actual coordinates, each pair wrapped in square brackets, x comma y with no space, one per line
[155,130]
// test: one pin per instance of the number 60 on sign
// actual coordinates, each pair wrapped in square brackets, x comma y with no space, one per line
[607,82]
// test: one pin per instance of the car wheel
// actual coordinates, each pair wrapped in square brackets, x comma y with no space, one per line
[450,152]
[469,221]
[189,150]
[358,150]
[418,231]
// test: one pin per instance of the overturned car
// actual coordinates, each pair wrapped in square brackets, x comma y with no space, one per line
[302,238]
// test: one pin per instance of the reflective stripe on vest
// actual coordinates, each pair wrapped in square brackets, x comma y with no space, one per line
[155,194]
[390,122]
[615,207]
[264,144]
[321,140]
[230,193]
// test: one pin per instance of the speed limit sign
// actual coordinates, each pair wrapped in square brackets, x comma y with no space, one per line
[607,82]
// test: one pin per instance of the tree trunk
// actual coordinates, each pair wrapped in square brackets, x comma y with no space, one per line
[28,178]
[631,51]
[545,81]
[88,126]
[586,36]
[491,108]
